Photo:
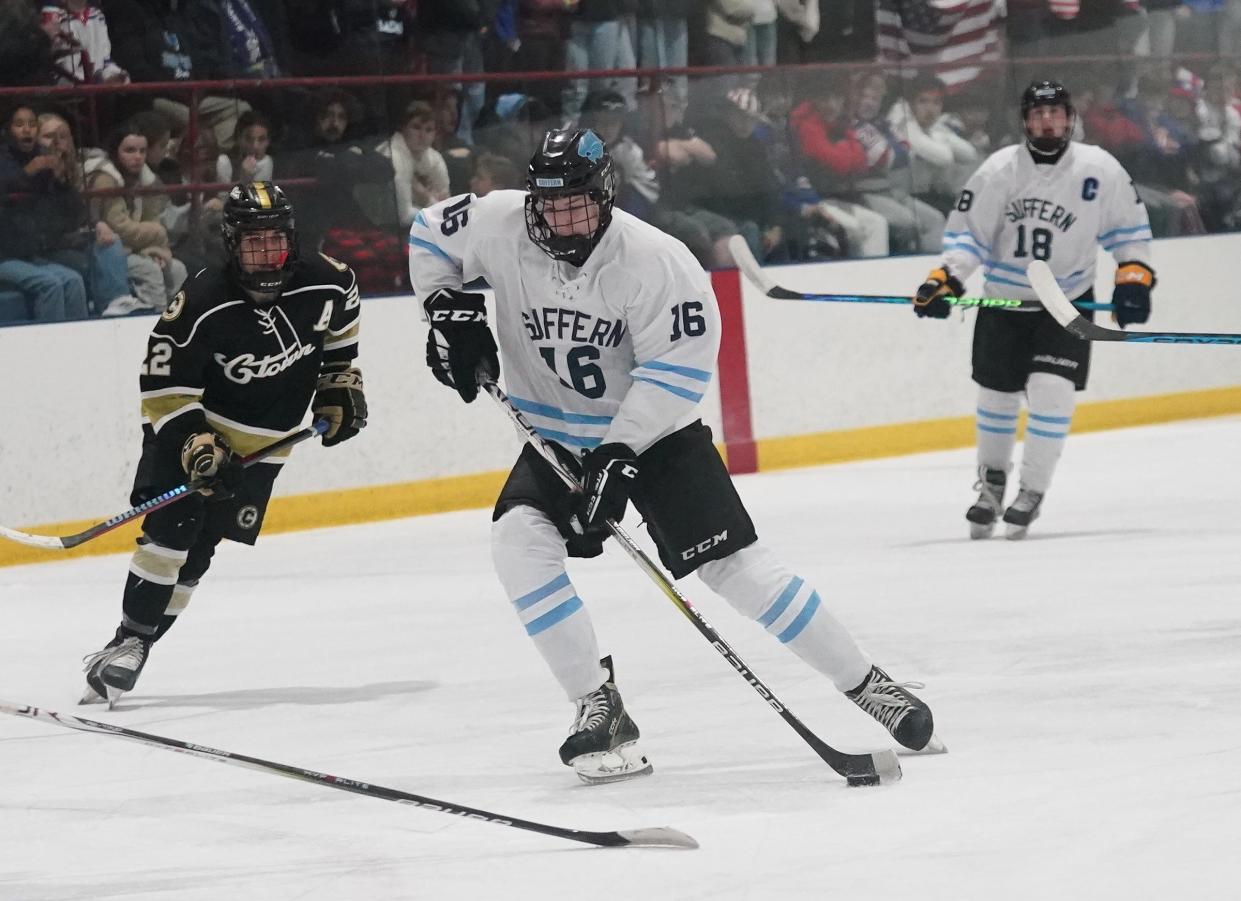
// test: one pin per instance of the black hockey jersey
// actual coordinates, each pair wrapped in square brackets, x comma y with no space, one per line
[216,361]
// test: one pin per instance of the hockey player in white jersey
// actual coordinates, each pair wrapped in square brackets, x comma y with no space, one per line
[1056,200]
[609,333]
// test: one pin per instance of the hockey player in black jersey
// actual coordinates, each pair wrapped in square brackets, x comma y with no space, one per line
[231,366]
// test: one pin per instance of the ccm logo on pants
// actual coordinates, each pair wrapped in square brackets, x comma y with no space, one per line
[704,546]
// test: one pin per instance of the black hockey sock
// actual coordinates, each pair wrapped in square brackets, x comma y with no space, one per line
[143,607]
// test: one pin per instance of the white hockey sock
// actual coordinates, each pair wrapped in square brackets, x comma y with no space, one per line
[760,587]
[996,427]
[1051,399]
[529,557]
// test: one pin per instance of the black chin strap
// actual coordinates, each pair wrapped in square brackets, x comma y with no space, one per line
[1046,159]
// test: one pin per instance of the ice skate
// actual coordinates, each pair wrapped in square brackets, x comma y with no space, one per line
[603,746]
[1025,510]
[990,488]
[898,710]
[114,670]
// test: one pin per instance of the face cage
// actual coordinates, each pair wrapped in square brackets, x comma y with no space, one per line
[265,281]
[1049,146]
[574,249]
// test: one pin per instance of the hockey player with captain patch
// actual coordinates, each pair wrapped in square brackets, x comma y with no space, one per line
[609,333]
[1056,200]
[231,367]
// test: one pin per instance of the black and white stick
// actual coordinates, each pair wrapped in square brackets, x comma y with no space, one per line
[761,280]
[1057,303]
[659,837]
[869,768]
[172,495]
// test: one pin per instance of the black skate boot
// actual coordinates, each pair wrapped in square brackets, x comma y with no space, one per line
[603,746]
[898,710]
[990,488]
[114,670]
[1025,510]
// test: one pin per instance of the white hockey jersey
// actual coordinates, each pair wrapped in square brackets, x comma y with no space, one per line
[1013,211]
[621,349]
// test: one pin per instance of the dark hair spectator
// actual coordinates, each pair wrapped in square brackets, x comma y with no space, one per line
[637,183]
[38,206]
[249,159]
[350,212]
[155,273]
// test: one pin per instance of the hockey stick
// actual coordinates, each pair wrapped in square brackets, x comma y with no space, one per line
[870,768]
[1062,310]
[658,837]
[64,542]
[754,273]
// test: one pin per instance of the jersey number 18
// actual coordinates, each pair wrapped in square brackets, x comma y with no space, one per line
[1040,243]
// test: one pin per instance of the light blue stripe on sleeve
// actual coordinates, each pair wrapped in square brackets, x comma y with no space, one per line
[427,245]
[968,248]
[679,392]
[1123,231]
[785,598]
[795,627]
[997,431]
[690,373]
[529,600]
[553,616]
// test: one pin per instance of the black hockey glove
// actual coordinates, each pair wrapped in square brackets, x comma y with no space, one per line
[206,455]
[932,296]
[1132,294]
[339,400]
[460,344]
[608,472]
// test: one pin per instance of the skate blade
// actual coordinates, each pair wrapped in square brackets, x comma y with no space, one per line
[90,696]
[978,530]
[934,746]
[1016,533]
[622,762]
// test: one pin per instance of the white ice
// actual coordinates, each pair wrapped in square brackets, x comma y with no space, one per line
[1085,681]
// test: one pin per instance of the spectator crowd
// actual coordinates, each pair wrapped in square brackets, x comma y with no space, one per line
[823,129]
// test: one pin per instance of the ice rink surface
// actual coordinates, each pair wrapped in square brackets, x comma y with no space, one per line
[1085,681]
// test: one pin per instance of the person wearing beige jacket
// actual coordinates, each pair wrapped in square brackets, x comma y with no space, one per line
[728,31]
[156,275]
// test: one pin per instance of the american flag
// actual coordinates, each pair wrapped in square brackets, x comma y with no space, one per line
[950,37]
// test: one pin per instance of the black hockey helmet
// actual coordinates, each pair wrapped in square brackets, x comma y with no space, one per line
[1047,93]
[258,206]
[570,162]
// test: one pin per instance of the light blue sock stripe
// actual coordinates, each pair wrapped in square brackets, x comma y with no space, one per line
[1042,434]
[993,429]
[785,598]
[553,616]
[529,600]
[992,415]
[1052,420]
[795,627]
